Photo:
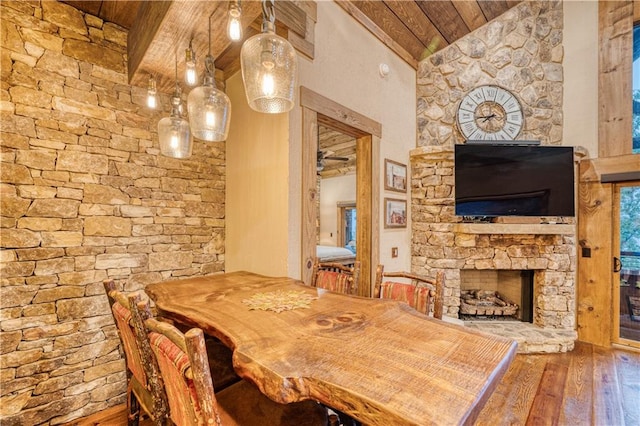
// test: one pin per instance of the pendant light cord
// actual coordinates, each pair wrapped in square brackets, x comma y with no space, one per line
[268,12]
[209,63]
[210,34]
[177,95]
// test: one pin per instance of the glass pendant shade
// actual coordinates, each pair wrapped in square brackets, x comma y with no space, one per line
[269,72]
[234,26]
[175,137]
[209,108]
[174,134]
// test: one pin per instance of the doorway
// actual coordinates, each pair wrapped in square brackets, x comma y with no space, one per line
[347,225]
[626,263]
[336,170]
[320,111]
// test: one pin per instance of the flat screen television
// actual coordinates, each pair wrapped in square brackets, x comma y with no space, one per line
[513,180]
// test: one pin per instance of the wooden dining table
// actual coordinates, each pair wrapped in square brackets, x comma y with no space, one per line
[378,361]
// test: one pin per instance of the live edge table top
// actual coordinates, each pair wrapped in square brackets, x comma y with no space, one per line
[376,360]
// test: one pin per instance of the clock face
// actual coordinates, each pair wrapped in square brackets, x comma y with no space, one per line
[490,113]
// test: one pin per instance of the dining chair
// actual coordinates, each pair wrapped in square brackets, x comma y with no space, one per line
[145,390]
[336,276]
[423,294]
[183,362]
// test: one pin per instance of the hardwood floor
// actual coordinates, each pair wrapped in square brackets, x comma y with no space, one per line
[588,386]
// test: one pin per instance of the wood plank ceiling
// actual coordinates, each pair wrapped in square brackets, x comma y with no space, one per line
[157,29]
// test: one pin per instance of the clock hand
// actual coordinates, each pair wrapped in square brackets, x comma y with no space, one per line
[487,117]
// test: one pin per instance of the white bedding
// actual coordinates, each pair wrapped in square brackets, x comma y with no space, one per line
[331,254]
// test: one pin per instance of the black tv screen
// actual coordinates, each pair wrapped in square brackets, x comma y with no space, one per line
[512,180]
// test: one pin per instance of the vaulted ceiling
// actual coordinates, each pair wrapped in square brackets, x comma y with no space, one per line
[159,30]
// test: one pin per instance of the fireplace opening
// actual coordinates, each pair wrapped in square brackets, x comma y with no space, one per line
[496,295]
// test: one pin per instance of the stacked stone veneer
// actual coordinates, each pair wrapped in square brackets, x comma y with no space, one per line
[520,50]
[85,197]
[441,243]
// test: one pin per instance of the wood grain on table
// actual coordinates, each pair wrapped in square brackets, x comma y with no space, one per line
[377,360]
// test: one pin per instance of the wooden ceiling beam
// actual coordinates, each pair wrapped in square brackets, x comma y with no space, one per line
[471,14]
[446,19]
[163,29]
[119,11]
[384,18]
[493,8]
[385,38]
[292,17]
[418,23]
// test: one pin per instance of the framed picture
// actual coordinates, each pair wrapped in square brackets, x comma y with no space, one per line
[395,213]
[395,176]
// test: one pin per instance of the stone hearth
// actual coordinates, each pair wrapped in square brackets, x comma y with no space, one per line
[530,338]
[442,243]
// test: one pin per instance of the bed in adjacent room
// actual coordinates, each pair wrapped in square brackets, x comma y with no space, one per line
[335,255]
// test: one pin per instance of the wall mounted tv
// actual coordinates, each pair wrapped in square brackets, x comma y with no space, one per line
[513,180]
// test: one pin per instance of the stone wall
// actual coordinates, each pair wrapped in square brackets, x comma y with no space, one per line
[440,243]
[521,51]
[85,196]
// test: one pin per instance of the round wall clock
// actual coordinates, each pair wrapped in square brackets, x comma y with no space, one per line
[490,113]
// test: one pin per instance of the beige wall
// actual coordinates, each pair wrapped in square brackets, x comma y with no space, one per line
[580,39]
[345,70]
[332,191]
[257,181]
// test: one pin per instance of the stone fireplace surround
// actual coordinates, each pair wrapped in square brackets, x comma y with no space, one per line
[440,242]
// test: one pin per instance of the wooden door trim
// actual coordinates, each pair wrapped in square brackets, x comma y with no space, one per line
[615,251]
[338,116]
[319,109]
[309,191]
[615,28]
[594,273]
[595,286]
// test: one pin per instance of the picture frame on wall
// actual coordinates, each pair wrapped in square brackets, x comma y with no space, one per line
[395,213]
[395,176]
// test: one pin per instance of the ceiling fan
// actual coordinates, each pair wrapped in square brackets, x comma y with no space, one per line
[327,155]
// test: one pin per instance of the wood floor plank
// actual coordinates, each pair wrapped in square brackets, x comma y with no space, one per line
[578,393]
[547,403]
[510,405]
[607,401]
[601,387]
[628,368]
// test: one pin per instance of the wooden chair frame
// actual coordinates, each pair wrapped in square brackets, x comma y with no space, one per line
[436,293]
[215,407]
[352,272]
[149,396]
[193,344]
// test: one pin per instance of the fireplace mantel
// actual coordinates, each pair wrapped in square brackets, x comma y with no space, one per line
[515,228]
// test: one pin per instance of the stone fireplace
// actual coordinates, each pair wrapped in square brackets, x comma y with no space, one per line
[441,242]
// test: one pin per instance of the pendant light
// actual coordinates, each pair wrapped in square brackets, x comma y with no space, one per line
[173,131]
[234,25]
[152,100]
[209,108]
[190,72]
[269,67]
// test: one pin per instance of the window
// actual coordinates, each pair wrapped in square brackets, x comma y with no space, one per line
[636,89]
